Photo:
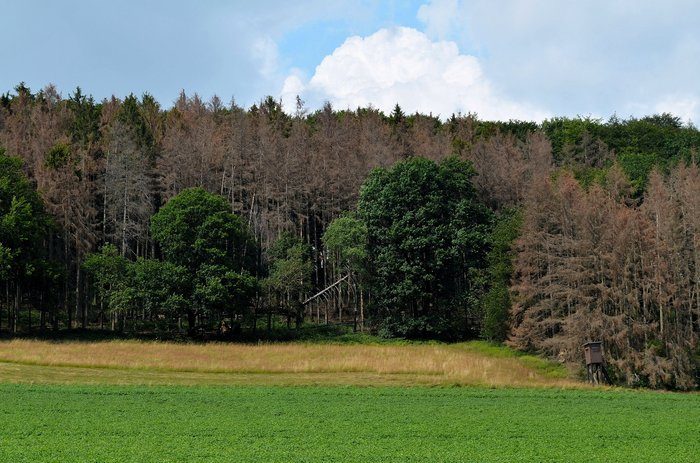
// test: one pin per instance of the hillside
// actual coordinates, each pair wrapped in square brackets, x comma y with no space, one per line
[127,215]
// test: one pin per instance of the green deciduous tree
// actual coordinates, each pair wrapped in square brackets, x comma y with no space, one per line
[290,276]
[496,302]
[197,227]
[197,232]
[23,226]
[160,287]
[111,274]
[346,241]
[426,231]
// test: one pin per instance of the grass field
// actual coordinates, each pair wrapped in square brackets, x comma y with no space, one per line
[50,423]
[150,363]
[130,401]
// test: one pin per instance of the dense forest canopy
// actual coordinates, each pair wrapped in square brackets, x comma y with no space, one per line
[123,214]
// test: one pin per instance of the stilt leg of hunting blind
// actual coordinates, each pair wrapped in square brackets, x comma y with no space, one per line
[594,363]
[596,375]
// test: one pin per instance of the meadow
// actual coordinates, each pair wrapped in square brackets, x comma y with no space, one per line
[367,363]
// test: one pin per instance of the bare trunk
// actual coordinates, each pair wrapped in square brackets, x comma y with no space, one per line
[191,321]
[17,305]
[362,310]
[78,312]
[124,215]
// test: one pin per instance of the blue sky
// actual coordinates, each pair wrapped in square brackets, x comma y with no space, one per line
[527,59]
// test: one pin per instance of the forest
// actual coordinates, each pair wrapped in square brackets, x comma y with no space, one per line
[209,219]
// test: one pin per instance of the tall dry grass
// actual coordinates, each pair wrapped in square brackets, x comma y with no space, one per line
[419,363]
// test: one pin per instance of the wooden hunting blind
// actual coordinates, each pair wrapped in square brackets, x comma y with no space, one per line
[594,352]
[595,365]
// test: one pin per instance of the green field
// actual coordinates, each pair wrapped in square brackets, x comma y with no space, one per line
[73,423]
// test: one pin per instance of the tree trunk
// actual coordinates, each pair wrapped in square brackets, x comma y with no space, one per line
[15,315]
[355,305]
[362,310]
[191,321]
[104,213]
[124,215]
[8,305]
[78,312]
[7,301]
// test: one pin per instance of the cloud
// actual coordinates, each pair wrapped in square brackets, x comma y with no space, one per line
[685,107]
[593,57]
[440,17]
[229,48]
[264,51]
[402,65]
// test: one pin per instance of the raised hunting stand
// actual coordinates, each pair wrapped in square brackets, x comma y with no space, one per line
[595,364]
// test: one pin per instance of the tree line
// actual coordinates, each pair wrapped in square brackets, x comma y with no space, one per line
[542,235]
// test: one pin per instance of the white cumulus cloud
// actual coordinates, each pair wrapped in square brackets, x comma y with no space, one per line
[264,51]
[577,58]
[685,107]
[440,17]
[403,65]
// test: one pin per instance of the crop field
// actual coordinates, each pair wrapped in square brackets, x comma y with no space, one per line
[51,423]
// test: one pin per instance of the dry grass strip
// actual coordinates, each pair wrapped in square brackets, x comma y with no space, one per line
[135,362]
